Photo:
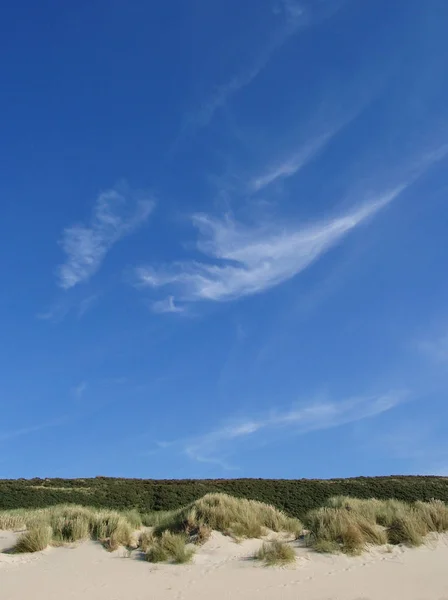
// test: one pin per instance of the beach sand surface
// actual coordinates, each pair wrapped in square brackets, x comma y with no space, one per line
[224,570]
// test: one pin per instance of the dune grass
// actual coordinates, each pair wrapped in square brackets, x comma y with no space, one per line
[324,546]
[65,524]
[69,524]
[434,514]
[133,517]
[158,517]
[382,512]
[169,547]
[237,517]
[35,539]
[344,524]
[146,540]
[349,524]
[349,530]
[407,529]
[12,520]
[276,553]
[112,529]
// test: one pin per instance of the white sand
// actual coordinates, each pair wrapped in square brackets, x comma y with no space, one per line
[222,570]
[7,540]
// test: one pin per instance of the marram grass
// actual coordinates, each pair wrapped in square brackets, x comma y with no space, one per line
[169,547]
[237,517]
[349,525]
[344,524]
[276,552]
[34,540]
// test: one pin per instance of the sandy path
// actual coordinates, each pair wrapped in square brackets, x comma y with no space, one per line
[221,571]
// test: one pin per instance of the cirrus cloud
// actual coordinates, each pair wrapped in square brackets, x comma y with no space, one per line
[116,214]
[251,259]
[217,445]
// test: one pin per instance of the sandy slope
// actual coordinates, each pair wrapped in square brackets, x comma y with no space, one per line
[221,571]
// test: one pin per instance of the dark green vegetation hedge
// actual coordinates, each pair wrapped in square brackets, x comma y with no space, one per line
[295,497]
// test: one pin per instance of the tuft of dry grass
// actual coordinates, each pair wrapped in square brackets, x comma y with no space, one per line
[388,510]
[112,529]
[348,524]
[69,523]
[372,533]
[146,540]
[36,539]
[408,528]
[169,547]
[276,553]
[434,514]
[346,530]
[12,520]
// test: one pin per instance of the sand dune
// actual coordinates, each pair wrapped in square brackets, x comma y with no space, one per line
[222,570]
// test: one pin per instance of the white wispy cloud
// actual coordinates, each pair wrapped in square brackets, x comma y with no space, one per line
[116,214]
[66,304]
[293,163]
[216,446]
[167,305]
[251,259]
[295,17]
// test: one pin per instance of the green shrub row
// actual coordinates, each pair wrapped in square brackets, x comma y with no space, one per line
[295,497]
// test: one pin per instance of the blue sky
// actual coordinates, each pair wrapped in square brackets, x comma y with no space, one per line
[224,238]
